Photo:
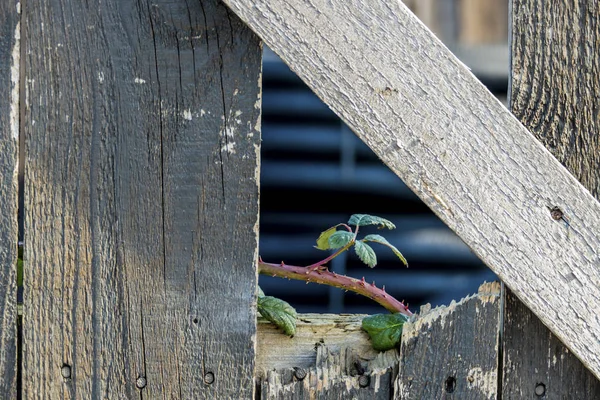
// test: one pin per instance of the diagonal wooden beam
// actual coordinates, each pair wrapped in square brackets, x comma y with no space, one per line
[457,147]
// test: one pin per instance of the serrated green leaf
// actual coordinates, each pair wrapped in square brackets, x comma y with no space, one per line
[365,253]
[365,219]
[323,240]
[279,313]
[259,292]
[339,239]
[385,330]
[381,240]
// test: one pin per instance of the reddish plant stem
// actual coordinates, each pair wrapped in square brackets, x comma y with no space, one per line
[322,275]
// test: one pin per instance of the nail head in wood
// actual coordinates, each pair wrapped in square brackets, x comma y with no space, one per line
[364,381]
[540,389]
[141,382]
[65,371]
[299,373]
[209,378]
[556,214]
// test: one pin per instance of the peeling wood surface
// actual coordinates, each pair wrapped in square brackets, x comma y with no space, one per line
[335,331]
[452,352]
[439,129]
[332,376]
[142,143]
[555,85]
[9,136]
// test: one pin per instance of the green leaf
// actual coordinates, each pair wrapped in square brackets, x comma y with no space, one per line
[259,292]
[279,313]
[339,239]
[381,240]
[365,253]
[323,240]
[385,330]
[365,219]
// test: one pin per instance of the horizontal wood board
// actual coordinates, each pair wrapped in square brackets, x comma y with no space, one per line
[456,146]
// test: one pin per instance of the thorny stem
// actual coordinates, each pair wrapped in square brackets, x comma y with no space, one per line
[318,273]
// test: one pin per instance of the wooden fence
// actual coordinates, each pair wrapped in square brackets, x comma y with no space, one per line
[139,123]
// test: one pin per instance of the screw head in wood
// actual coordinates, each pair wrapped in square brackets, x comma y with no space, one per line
[65,371]
[364,381]
[209,378]
[141,382]
[299,373]
[540,389]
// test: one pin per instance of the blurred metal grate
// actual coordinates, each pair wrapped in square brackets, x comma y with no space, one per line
[314,174]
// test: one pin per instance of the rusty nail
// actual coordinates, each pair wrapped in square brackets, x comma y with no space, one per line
[556,213]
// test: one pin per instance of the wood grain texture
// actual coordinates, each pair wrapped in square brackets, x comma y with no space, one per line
[335,375]
[142,134]
[457,147]
[534,357]
[275,351]
[555,88]
[452,352]
[555,80]
[9,137]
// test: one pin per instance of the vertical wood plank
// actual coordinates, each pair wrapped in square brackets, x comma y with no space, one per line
[142,144]
[9,136]
[554,92]
[452,352]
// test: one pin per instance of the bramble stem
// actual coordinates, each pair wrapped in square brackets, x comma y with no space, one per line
[318,273]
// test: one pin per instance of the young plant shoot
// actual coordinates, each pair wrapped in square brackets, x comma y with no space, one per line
[383,329]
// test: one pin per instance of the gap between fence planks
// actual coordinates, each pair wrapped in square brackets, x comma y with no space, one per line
[141,189]
[439,129]
[9,136]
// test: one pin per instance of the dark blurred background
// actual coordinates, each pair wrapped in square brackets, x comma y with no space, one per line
[315,173]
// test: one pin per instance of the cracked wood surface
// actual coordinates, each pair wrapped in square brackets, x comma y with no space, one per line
[457,147]
[554,92]
[142,144]
[451,352]
[331,356]
[9,136]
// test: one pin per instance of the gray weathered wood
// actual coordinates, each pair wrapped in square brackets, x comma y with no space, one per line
[535,358]
[142,138]
[275,351]
[339,374]
[452,352]
[437,127]
[9,136]
[555,87]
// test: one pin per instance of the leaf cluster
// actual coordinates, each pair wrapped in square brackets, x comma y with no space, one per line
[334,239]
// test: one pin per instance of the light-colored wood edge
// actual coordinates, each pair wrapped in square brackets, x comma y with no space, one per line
[456,146]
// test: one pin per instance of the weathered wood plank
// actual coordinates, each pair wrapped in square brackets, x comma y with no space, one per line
[555,88]
[10,33]
[142,131]
[276,351]
[339,374]
[452,352]
[536,363]
[434,124]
